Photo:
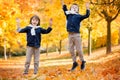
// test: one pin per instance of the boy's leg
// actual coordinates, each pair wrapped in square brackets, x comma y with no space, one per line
[79,50]
[29,53]
[71,49]
[36,59]
[78,45]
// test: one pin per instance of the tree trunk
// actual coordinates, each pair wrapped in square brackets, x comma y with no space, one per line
[9,53]
[89,41]
[108,37]
[60,46]
[5,56]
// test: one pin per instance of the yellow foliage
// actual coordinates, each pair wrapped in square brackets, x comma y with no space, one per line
[46,9]
[115,37]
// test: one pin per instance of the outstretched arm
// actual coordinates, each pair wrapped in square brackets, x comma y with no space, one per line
[45,31]
[87,11]
[64,7]
[18,27]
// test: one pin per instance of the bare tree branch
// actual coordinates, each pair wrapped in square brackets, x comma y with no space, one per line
[105,14]
[100,20]
[116,15]
[100,14]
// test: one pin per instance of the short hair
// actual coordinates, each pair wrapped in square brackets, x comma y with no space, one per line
[76,5]
[36,17]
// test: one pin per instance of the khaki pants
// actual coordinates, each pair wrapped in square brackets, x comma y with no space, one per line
[32,51]
[75,43]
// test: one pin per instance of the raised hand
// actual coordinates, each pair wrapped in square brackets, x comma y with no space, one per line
[50,22]
[18,22]
[62,2]
[88,5]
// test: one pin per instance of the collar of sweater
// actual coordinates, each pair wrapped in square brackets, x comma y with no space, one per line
[70,12]
[35,27]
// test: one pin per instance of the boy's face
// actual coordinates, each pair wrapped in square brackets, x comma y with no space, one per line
[74,8]
[34,21]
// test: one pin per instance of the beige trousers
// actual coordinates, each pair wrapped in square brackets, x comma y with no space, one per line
[75,44]
[32,51]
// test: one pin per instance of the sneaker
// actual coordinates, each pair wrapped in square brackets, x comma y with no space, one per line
[83,65]
[75,64]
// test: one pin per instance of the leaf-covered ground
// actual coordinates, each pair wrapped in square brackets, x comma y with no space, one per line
[98,67]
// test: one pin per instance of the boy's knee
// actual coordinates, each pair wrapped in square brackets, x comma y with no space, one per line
[27,62]
[36,62]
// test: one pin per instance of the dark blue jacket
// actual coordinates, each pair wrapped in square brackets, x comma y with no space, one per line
[74,20]
[34,40]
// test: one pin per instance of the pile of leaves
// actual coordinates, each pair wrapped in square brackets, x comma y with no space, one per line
[105,68]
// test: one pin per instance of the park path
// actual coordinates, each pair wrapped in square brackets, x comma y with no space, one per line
[48,61]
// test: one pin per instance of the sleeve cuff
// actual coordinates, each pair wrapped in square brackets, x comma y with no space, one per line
[18,29]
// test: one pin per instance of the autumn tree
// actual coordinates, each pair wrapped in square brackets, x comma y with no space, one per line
[109,10]
[8,11]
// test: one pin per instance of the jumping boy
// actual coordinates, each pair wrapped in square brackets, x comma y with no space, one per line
[73,26]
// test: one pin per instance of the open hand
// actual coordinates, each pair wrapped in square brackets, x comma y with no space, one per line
[17,20]
[87,5]
[62,2]
[50,22]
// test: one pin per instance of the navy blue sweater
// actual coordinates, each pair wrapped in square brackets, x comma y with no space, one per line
[34,40]
[74,20]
